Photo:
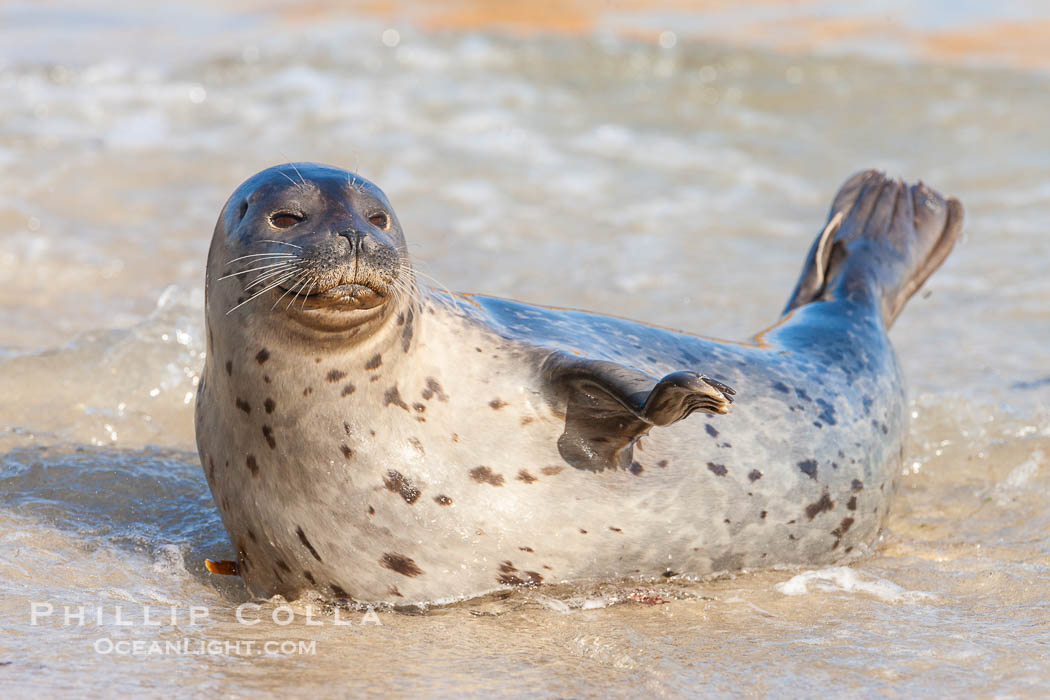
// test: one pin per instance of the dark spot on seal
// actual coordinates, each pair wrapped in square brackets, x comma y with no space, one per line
[338,591]
[253,466]
[434,389]
[371,510]
[727,521]
[306,543]
[347,452]
[374,363]
[857,485]
[243,405]
[827,412]
[309,577]
[526,549]
[762,515]
[755,475]
[616,529]
[551,471]
[262,356]
[801,393]
[717,469]
[266,378]
[443,500]
[269,405]
[401,564]
[636,468]
[524,475]
[582,531]
[393,396]
[229,368]
[397,483]
[347,390]
[509,580]
[308,390]
[852,503]
[415,443]
[843,527]
[781,387]
[484,475]
[406,334]
[267,432]
[808,467]
[496,404]
[711,430]
[335,375]
[815,509]
[662,463]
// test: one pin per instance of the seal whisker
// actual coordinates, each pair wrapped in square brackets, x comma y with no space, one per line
[262,255]
[287,177]
[270,274]
[254,269]
[301,288]
[262,291]
[270,240]
[447,298]
[303,187]
[291,286]
[308,292]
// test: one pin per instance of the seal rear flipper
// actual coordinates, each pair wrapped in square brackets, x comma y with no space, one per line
[883,239]
[608,406]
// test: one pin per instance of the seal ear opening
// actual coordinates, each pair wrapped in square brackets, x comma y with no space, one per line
[815,272]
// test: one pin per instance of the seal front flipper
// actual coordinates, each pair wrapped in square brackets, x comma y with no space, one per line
[608,406]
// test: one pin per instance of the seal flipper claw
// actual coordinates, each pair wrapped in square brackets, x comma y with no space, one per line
[608,406]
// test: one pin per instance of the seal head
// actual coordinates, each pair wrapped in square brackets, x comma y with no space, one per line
[323,245]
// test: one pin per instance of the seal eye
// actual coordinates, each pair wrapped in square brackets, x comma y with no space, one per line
[379,220]
[285,219]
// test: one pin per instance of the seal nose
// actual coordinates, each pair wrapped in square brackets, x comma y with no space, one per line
[356,239]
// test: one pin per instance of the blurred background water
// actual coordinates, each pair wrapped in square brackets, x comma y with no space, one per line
[669,164]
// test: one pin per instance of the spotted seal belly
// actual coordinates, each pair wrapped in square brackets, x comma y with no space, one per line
[370,438]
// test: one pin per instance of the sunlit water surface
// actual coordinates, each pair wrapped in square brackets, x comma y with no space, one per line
[680,186]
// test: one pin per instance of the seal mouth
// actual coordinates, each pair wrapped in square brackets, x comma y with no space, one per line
[347,296]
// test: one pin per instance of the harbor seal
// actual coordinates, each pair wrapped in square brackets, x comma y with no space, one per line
[373,439]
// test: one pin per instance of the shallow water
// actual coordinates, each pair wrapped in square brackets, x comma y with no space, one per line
[679,185]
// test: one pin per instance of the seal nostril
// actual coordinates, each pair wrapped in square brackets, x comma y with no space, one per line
[354,237]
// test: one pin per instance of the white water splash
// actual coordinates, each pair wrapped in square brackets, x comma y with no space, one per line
[847,580]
